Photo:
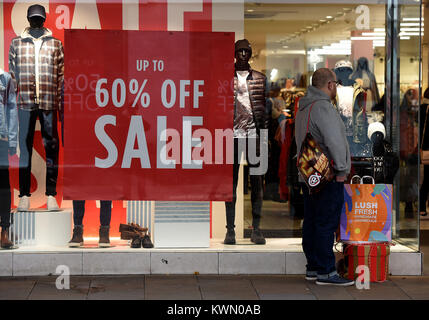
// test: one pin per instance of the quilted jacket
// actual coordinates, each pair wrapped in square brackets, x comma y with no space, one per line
[256,83]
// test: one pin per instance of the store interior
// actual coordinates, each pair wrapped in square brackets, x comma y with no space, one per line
[290,41]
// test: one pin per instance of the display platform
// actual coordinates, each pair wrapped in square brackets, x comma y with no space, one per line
[39,227]
[278,256]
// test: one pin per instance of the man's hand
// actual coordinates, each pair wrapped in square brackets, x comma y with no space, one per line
[12,151]
[340,178]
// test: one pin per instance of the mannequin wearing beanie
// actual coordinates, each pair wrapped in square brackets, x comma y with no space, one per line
[350,102]
[36,64]
[250,118]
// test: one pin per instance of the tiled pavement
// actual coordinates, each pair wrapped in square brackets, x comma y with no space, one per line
[204,287]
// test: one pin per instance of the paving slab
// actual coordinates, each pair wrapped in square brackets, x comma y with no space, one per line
[282,288]
[16,288]
[46,289]
[386,290]
[417,288]
[227,288]
[329,292]
[117,288]
[171,287]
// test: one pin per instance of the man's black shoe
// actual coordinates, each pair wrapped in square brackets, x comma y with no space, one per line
[257,237]
[230,237]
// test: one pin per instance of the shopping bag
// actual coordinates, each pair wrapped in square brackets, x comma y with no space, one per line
[375,256]
[367,213]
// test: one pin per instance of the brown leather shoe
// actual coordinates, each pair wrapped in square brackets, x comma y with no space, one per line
[5,243]
[128,235]
[131,227]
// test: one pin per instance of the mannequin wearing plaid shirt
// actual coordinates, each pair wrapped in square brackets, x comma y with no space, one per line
[36,63]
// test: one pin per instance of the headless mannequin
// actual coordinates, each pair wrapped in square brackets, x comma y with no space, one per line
[377,144]
[378,156]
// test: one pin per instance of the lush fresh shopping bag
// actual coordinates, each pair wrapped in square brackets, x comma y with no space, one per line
[367,213]
[373,255]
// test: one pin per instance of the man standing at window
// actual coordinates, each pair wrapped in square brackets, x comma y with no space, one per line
[322,210]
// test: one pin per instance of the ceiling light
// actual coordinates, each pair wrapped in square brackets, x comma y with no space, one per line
[329,17]
[413,19]
[373,34]
[322,20]
[250,10]
[367,38]
[285,47]
[411,29]
[411,24]
[409,34]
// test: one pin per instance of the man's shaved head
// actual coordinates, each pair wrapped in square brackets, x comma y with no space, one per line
[321,77]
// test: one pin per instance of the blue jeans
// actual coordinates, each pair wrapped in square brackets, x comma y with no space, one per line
[79,212]
[322,213]
[27,126]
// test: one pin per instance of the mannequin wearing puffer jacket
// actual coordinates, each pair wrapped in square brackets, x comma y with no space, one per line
[250,117]
[8,144]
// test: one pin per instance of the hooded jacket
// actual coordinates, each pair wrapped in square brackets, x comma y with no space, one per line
[41,86]
[326,127]
[8,111]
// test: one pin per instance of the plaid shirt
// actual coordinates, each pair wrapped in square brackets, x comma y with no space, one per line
[22,66]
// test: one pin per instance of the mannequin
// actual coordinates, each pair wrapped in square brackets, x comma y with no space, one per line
[249,118]
[369,84]
[350,103]
[38,76]
[385,161]
[8,144]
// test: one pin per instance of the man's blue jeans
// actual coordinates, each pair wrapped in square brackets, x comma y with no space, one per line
[322,213]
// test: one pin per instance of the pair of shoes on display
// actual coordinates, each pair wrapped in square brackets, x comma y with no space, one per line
[137,234]
[142,242]
[5,242]
[257,237]
[77,238]
[51,204]
[335,280]
[131,230]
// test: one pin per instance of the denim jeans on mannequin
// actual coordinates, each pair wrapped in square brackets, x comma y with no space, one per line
[322,213]
[49,130]
[256,184]
[79,212]
[5,193]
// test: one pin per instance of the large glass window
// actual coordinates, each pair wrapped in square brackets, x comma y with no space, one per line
[293,39]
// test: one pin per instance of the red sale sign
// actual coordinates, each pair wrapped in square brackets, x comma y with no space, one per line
[148,115]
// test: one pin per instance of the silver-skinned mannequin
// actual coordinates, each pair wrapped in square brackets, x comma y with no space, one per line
[36,63]
[249,118]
